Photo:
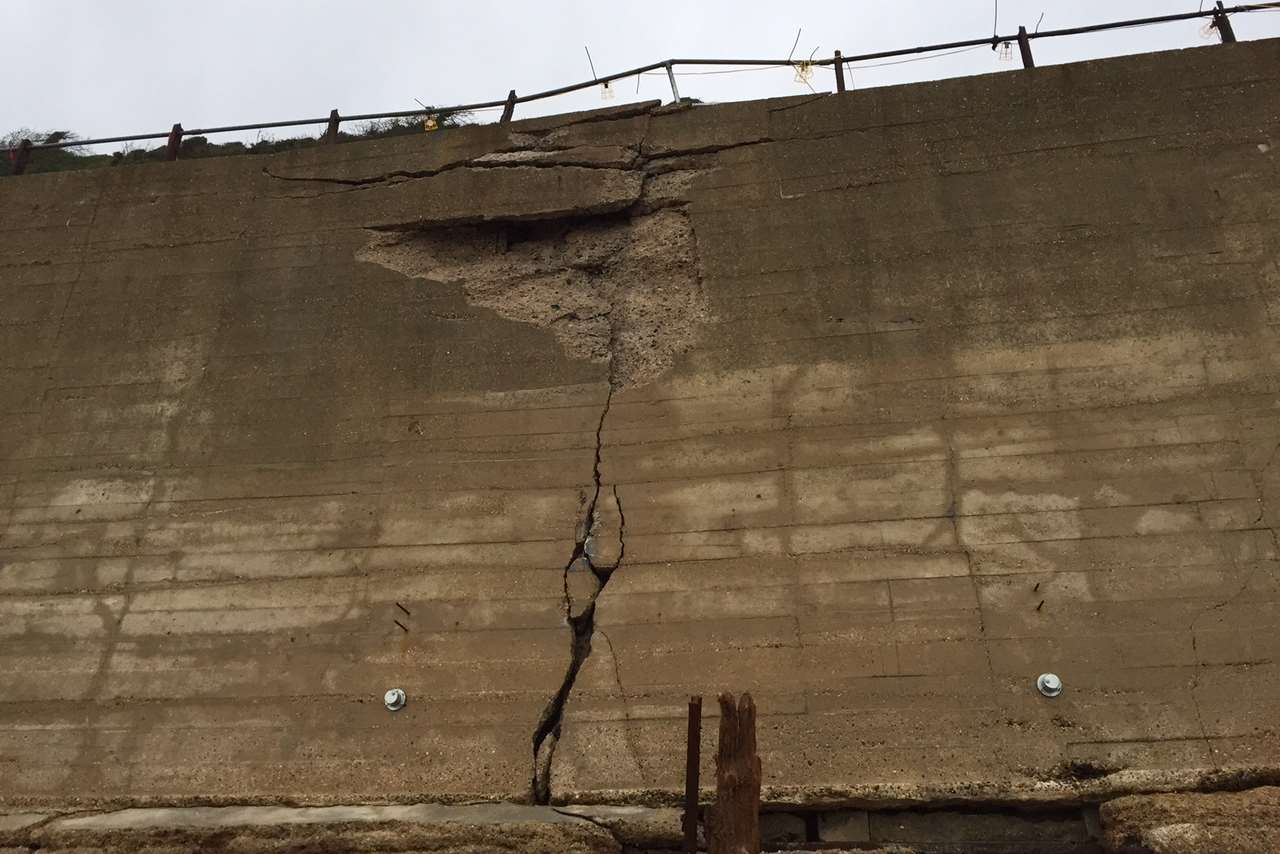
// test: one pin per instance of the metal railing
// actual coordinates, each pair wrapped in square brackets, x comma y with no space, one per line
[1221,22]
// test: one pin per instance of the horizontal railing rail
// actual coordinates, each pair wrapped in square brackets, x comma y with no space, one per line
[1219,15]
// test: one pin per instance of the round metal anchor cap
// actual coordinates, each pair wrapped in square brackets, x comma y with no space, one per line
[1049,684]
[393,700]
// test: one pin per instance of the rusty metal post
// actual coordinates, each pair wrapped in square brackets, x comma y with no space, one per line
[692,761]
[508,109]
[1223,25]
[1024,45]
[21,156]
[839,72]
[736,825]
[175,141]
[331,132]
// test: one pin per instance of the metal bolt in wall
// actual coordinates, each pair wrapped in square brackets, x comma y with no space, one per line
[1049,684]
[394,700]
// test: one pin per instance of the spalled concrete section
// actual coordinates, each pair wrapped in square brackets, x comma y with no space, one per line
[621,291]
[876,405]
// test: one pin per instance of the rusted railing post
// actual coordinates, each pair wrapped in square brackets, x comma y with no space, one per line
[21,156]
[331,132]
[692,761]
[174,143]
[508,109]
[839,72]
[736,825]
[671,78]
[1223,25]
[1024,45]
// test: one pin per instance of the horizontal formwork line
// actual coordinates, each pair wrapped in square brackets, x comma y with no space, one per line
[1234,571]
[194,553]
[382,487]
[943,456]
[23,553]
[389,463]
[944,521]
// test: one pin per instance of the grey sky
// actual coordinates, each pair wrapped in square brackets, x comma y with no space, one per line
[103,69]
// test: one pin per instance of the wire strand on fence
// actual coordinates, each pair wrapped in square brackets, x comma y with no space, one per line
[667,67]
[912,59]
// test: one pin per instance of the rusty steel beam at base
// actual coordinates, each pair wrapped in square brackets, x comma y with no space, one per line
[735,828]
[693,759]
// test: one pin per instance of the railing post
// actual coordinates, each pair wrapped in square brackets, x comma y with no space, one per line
[671,76]
[692,763]
[839,72]
[508,109]
[331,132]
[175,140]
[1024,45]
[21,157]
[1223,25]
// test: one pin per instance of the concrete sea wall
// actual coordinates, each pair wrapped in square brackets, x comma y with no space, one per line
[876,405]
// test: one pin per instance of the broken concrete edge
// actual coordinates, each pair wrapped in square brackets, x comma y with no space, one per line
[1218,821]
[626,170]
[516,145]
[1122,819]
[1006,795]
[873,797]
[1119,824]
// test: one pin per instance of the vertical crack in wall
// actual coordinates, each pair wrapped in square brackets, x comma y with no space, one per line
[623,289]
[580,616]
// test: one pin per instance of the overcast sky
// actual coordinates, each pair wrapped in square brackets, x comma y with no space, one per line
[109,68]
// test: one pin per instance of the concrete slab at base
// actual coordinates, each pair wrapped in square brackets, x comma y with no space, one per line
[478,829]
[208,817]
[1220,823]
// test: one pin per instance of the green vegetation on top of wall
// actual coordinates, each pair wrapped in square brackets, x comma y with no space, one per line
[78,157]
